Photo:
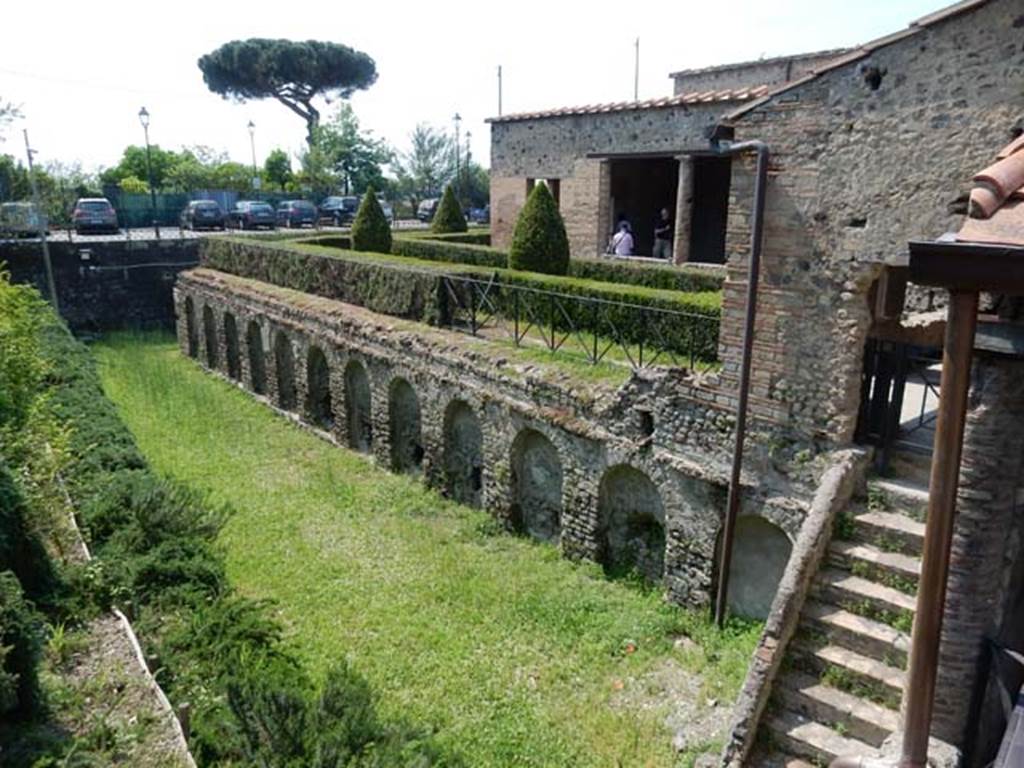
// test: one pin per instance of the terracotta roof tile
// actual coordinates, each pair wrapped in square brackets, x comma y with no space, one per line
[996,210]
[727,95]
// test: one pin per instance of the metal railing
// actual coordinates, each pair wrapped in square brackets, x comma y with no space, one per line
[597,329]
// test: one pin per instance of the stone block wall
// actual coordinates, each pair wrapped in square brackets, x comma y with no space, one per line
[856,172]
[105,285]
[678,443]
[774,71]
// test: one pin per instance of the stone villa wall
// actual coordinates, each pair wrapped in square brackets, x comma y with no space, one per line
[557,148]
[856,173]
[490,433]
[774,71]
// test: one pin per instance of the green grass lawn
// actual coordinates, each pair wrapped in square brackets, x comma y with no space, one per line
[516,656]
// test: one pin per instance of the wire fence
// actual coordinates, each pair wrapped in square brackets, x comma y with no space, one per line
[599,330]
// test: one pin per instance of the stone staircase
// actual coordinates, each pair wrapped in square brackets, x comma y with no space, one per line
[842,681]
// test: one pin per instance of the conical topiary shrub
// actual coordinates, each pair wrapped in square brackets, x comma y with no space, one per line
[370,229]
[539,243]
[448,217]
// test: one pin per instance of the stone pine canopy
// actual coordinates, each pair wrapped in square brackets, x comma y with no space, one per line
[987,254]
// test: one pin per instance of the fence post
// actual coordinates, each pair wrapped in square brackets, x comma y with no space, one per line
[515,314]
[595,326]
[472,308]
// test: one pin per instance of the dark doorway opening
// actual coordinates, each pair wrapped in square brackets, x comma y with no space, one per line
[711,179]
[639,190]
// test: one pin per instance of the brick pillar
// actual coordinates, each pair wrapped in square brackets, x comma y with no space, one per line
[684,211]
[992,455]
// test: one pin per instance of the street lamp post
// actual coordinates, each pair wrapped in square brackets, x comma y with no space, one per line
[457,119]
[252,145]
[144,119]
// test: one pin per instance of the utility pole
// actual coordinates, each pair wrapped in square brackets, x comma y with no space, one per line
[41,218]
[144,119]
[499,90]
[636,70]
[252,145]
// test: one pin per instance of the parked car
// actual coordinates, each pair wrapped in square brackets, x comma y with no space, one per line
[385,206]
[340,210]
[252,214]
[20,220]
[94,214]
[479,215]
[202,214]
[426,209]
[297,213]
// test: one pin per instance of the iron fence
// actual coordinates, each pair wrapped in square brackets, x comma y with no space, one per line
[598,329]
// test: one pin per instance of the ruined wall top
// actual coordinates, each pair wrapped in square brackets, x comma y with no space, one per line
[750,74]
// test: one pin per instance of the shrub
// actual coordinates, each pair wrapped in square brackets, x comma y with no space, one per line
[539,242]
[20,650]
[371,230]
[448,217]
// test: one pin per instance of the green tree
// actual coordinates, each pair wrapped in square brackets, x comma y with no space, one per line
[132,185]
[13,179]
[539,242]
[292,72]
[231,175]
[278,168]
[133,163]
[8,113]
[353,155]
[370,229]
[448,217]
[476,187]
[427,166]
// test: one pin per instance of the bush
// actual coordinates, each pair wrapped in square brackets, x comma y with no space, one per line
[415,291]
[539,242]
[20,650]
[371,230]
[448,217]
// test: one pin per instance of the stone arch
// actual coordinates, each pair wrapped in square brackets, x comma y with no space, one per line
[463,454]
[210,335]
[632,523]
[760,553]
[357,407]
[191,334]
[404,426]
[257,366]
[536,486]
[318,389]
[284,366]
[234,360]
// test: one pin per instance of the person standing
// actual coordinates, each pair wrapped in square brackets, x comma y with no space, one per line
[663,236]
[622,241]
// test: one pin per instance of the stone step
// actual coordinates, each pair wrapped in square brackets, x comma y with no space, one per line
[890,531]
[854,672]
[801,736]
[851,715]
[902,495]
[858,633]
[894,569]
[912,462]
[861,596]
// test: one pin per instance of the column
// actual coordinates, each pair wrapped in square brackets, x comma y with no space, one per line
[684,210]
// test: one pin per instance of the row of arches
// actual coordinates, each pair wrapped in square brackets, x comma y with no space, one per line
[631,516]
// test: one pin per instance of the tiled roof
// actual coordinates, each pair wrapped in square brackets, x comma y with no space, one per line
[862,52]
[684,99]
[996,208]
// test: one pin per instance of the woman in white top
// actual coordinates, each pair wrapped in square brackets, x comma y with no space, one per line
[622,241]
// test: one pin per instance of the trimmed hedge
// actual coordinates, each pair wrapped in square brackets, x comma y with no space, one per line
[448,217]
[414,289]
[666,278]
[371,231]
[539,242]
[470,237]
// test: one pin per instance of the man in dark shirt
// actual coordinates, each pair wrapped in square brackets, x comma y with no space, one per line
[663,236]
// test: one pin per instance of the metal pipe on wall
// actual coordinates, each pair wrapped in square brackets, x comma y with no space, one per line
[753,275]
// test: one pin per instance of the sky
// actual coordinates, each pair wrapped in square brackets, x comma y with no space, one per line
[80,72]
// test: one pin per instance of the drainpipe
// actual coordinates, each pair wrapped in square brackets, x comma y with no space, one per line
[728,149]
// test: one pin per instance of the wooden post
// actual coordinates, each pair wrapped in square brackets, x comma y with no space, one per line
[931,594]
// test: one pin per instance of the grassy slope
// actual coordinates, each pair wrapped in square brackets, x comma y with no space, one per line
[515,654]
